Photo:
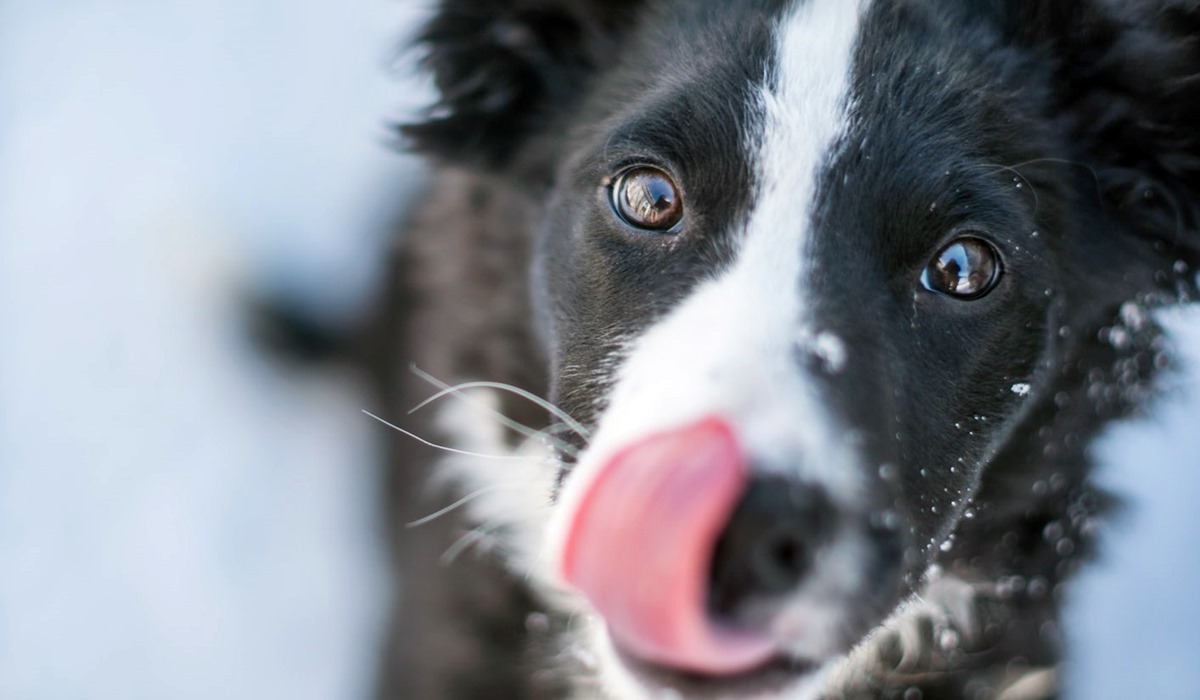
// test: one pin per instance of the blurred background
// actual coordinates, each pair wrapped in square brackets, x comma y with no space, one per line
[181,517]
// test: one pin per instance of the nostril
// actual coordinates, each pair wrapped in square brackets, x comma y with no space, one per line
[767,547]
[781,559]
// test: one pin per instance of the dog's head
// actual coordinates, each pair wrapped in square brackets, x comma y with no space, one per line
[804,267]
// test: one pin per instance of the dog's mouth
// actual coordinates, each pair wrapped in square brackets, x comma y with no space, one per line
[676,547]
[640,545]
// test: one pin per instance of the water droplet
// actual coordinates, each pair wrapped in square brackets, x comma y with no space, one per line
[1035,234]
[969,515]
[1133,316]
[537,622]
[830,350]
[887,520]
[913,694]
[1040,488]
[947,545]
[1181,267]
[1065,547]
[925,472]
[888,472]
[948,640]
[1009,586]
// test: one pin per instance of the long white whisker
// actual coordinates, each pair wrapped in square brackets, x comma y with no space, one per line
[459,504]
[452,450]
[528,396]
[475,536]
[525,430]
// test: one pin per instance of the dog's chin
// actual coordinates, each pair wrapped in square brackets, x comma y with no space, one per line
[776,677]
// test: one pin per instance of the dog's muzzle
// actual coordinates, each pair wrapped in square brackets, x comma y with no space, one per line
[677,537]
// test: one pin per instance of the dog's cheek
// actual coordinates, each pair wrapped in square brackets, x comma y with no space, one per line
[953,416]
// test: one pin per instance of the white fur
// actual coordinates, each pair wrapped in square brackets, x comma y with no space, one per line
[514,491]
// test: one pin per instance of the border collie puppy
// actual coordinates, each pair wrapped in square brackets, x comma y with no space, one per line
[828,299]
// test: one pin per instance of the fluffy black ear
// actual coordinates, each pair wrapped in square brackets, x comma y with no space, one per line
[505,68]
[1128,85]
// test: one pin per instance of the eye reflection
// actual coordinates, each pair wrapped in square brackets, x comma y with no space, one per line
[968,268]
[647,198]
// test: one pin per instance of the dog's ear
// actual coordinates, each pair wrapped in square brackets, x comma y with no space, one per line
[1127,81]
[505,68]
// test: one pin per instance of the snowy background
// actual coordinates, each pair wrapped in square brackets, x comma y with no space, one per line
[178,517]
[181,519]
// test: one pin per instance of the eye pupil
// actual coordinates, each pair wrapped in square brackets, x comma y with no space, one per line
[967,268]
[647,198]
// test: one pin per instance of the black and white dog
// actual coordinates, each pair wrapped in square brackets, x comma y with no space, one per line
[829,298]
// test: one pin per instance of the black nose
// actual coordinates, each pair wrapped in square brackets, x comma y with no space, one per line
[768,545]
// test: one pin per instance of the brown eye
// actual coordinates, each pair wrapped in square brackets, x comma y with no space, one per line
[966,269]
[647,198]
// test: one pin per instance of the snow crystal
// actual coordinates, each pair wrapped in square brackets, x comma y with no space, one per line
[831,350]
[1021,389]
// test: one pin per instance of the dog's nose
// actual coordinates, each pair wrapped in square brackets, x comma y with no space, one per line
[767,547]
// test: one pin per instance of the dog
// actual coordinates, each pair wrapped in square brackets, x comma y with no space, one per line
[768,338]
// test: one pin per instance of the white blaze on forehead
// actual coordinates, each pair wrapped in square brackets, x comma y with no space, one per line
[729,349]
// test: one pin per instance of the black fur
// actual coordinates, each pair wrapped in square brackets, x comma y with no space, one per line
[1068,132]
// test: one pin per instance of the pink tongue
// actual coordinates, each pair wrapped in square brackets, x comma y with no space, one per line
[640,545]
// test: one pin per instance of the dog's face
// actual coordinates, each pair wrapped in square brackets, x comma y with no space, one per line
[851,309]
[804,268]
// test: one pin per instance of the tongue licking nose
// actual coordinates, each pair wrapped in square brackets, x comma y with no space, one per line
[640,545]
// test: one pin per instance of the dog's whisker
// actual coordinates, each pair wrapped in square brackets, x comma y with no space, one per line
[444,448]
[1018,175]
[547,435]
[460,503]
[446,389]
[473,537]
[457,392]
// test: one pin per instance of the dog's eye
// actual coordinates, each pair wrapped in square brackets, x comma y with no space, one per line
[647,198]
[966,269]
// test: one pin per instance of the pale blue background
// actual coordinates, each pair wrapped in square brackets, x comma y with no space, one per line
[180,519]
